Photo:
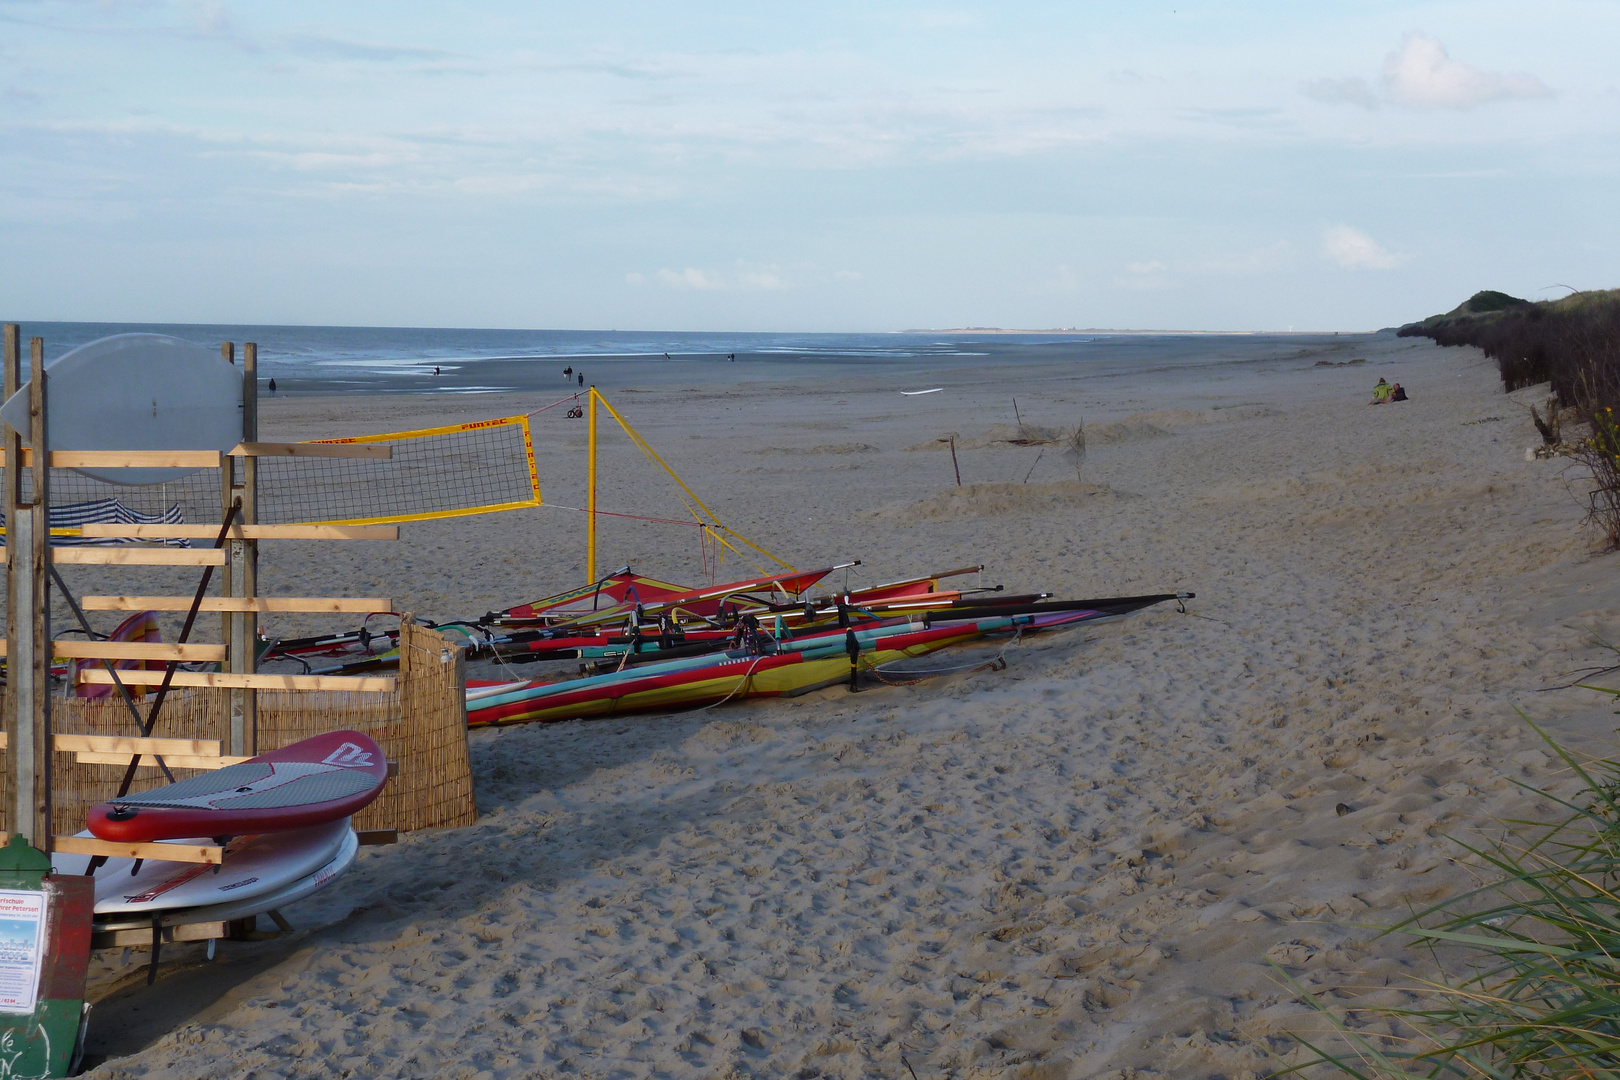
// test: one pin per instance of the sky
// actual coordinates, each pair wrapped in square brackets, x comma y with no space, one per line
[840,166]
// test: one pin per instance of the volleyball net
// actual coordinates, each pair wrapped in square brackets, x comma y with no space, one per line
[476,468]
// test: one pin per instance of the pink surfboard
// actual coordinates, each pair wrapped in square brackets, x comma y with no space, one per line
[308,783]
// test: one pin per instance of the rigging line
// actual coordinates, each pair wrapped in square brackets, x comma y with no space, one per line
[721,541]
[646,448]
[708,531]
[554,404]
[742,682]
[633,517]
[753,545]
[654,454]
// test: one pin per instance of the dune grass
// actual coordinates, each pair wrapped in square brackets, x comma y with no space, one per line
[1539,992]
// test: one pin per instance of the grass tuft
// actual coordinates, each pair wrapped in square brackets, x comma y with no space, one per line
[1540,993]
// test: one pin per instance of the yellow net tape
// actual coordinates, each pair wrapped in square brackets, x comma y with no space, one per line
[476,468]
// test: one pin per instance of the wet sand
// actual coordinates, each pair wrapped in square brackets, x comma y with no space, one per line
[1085,865]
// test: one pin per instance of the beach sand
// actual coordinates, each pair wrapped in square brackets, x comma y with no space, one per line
[1099,862]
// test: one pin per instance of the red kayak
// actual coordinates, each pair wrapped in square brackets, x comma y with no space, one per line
[308,783]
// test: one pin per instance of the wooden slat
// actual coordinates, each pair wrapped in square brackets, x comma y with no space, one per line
[363,605]
[173,761]
[134,744]
[89,845]
[136,650]
[371,837]
[231,679]
[135,556]
[125,745]
[126,459]
[312,450]
[245,532]
[168,935]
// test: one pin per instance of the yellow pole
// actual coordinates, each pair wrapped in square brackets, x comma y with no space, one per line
[590,505]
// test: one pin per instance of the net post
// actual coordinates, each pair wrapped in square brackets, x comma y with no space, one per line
[244,566]
[590,505]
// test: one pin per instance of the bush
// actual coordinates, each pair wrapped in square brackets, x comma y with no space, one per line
[1600,453]
[1574,344]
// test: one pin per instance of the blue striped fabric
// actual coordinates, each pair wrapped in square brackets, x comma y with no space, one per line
[106,512]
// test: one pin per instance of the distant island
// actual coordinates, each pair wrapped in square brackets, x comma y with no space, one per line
[1104,330]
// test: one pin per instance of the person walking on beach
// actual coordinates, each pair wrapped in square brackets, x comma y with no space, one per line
[582,378]
[272,386]
[568,373]
[1381,392]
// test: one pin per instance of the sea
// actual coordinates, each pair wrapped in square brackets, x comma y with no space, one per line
[381,359]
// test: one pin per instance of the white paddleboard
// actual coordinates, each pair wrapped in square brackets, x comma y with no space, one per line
[137,392]
[254,866]
[242,907]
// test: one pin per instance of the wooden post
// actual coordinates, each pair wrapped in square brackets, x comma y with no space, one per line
[227,482]
[244,567]
[590,497]
[28,629]
[13,500]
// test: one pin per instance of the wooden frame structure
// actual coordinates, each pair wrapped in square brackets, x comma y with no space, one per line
[29,648]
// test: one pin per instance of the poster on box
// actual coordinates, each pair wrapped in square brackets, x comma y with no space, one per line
[22,949]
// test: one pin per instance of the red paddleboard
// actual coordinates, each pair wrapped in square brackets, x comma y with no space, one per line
[308,783]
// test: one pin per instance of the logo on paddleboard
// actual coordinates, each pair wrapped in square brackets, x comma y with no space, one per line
[237,884]
[348,756]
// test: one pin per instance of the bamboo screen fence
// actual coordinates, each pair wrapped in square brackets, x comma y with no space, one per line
[421,726]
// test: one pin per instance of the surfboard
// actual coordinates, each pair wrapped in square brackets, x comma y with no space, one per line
[243,906]
[253,865]
[137,392]
[308,783]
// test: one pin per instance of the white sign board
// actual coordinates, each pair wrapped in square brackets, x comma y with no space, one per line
[22,949]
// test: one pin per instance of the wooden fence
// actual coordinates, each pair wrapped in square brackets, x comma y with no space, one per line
[421,726]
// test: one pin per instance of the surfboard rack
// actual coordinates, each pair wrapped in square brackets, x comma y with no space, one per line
[28,557]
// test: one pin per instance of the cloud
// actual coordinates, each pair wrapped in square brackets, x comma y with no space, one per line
[1355,250]
[211,18]
[690,279]
[1421,74]
[758,280]
[1352,91]
[315,45]
[848,275]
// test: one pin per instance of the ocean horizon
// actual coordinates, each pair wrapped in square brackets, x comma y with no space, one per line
[324,359]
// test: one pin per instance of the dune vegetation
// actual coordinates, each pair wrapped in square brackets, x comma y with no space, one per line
[1573,344]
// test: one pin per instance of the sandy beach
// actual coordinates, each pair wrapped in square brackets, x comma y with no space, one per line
[1098,862]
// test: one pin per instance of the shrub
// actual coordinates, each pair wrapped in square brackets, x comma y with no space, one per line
[1574,344]
[1600,453]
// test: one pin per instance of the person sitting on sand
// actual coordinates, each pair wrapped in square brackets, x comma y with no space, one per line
[1381,392]
[1398,393]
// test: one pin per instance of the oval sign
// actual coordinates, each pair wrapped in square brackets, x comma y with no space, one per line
[137,392]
